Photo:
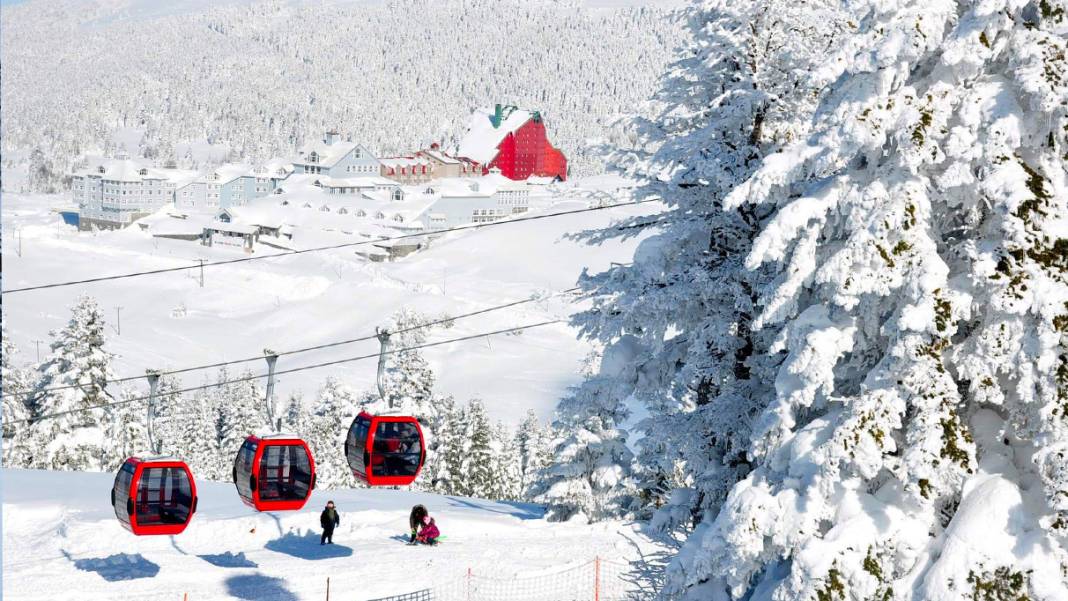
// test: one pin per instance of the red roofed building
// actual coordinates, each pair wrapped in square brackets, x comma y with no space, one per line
[514,141]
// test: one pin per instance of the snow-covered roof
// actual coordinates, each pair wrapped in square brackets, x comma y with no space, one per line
[440,156]
[275,167]
[370,183]
[403,161]
[129,170]
[482,138]
[236,228]
[328,154]
[231,171]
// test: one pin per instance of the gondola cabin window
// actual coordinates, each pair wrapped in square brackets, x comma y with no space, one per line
[121,492]
[285,473]
[355,446]
[246,459]
[163,497]
[397,451]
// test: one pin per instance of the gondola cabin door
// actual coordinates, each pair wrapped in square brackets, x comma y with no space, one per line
[154,496]
[274,473]
[385,450]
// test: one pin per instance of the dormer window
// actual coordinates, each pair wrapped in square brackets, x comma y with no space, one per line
[100,169]
[313,157]
[143,171]
[398,195]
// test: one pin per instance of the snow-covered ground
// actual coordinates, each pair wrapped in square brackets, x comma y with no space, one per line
[61,541]
[168,321]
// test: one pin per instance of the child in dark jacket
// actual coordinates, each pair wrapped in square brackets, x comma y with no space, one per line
[429,533]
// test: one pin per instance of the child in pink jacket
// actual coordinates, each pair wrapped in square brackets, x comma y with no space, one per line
[429,533]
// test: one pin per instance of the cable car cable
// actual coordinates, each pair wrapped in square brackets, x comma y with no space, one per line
[471,226]
[304,349]
[287,371]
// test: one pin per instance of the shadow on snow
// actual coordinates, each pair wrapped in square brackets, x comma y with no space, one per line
[114,568]
[523,511]
[229,560]
[307,546]
[258,587]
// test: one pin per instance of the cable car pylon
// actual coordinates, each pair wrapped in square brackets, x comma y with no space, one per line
[385,449]
[275,472]
[154,494]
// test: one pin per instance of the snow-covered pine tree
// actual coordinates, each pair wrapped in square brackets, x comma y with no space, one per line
[444,465]
[17,445]
[533,445]
[190,432]
[409,380]
[74,440]
[591,477]
[507,468]
[679,318]
[16,387]
[329,422]
[126,429]
[586,420]
[906,298]
[476,474]
[240,411]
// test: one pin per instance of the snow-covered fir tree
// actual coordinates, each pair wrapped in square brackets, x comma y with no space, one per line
[328,425]
[126,429]
[188,430]
[16,387]
[851,324]
[507,464]
[591,476]
[408,382]
[239,411]
[476,476]
[75,437]
[591,473]
[17,444]
[533,442]
[445,454]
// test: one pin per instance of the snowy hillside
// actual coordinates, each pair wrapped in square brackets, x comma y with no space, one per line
[168,321]
[62,541]
[198,82]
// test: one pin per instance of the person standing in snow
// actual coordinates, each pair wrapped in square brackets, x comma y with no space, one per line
[329,520]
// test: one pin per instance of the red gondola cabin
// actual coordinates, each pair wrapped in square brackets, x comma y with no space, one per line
[274,473]
[385,450]
[154,495]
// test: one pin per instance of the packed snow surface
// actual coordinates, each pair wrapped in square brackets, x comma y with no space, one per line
[62,541]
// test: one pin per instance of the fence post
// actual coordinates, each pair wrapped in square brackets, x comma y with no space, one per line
[468,584]
[596,578]
[327,588]
[185,596]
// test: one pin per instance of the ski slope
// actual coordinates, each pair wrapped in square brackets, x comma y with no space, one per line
[169,321]
[61,541]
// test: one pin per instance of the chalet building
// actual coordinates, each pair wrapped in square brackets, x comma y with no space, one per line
[113,193]
[443,164]
[407,170]
[336,158]
[514,141]
[485,200]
